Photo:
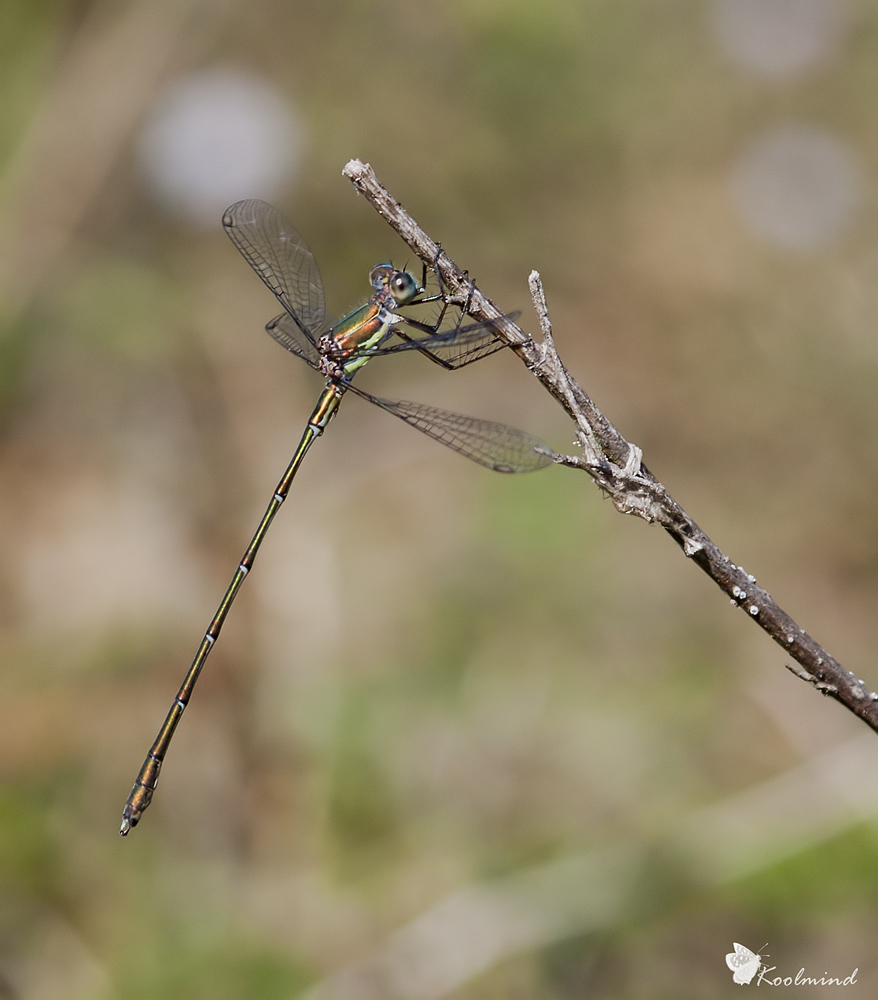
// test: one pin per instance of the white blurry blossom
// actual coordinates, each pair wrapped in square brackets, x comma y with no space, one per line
[797,186]
[778,38]
[217,136]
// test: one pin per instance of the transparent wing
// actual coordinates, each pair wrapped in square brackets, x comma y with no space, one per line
[288,334]
[496,446]
[279,255]
[458,354]
[452,348]
[466,344]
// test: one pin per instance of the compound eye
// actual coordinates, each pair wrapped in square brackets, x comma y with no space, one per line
[403,287]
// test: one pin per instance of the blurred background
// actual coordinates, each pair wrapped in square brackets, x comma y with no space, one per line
[465,735]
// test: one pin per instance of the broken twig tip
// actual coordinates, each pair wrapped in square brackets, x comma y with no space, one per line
[354,168]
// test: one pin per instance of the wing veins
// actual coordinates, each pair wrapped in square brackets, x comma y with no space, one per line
[496,446]
[280,256]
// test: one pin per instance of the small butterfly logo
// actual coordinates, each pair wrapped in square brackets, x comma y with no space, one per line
[743,963]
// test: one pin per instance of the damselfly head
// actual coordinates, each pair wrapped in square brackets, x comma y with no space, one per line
[401,285]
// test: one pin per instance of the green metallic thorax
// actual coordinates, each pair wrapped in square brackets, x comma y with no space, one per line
[364,328]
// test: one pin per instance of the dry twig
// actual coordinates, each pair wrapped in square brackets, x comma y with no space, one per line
[616,465]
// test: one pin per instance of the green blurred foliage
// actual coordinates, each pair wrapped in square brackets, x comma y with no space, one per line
[186,966]
[30,854]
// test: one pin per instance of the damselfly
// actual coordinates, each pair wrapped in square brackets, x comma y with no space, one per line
[284,262]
